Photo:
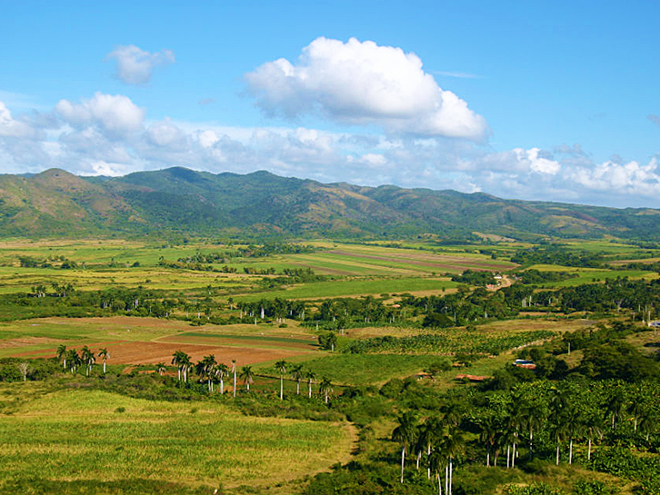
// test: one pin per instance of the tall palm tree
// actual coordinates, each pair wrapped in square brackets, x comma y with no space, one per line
[105,355]
[297,375]
[209,363]
[233,370]
[453,444]
[559,431]
[221,371]
[616,405]
[574,428]
[88,358]
[247,375]
[186,365]
[405,433]
[74,360]
[488,435]
[429,432]
[177,358]
[437,463]
[281,367]
[61,354]
[311,378]
[325,388]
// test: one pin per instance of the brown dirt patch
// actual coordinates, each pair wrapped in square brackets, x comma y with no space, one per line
[25,341]
[156,352]
[238,342]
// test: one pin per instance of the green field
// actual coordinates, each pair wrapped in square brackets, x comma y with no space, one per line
[369,262]
[89,439]
[591,275]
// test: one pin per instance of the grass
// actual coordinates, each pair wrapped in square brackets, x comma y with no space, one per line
[77,435]
[337,260]
[355,287]
[590,275]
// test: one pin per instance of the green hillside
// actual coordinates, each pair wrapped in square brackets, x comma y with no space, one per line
[56,202]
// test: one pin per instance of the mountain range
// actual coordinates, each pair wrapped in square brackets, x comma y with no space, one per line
[58,203]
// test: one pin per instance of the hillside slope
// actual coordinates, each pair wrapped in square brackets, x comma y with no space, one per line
[56,203]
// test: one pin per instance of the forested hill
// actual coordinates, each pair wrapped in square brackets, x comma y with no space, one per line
[56,202]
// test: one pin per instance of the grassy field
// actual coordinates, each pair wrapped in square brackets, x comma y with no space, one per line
[356,287]
[103,264]
[590,275]
[73,437]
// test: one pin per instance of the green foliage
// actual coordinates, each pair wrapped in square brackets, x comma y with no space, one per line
[448,341]
[472,277]
[533,489]
[181,201]
[537,277]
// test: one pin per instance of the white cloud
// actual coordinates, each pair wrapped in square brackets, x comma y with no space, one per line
[536,163]
[164,134]
[108,135]
[622,178]
[135,66]
[363,83]
[11,127]
[116,114]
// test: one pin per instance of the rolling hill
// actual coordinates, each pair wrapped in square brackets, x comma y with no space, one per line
[55,203]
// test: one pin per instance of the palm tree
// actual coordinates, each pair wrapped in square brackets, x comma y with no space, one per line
[247,375]
[559,431]
[74,360]
[429,433]
[574,428]
[208,365]
[297,375]
[184,363]
[311,377]
[325,387]
[281,367]
[233,370]
[61,354]
[88,358]
[103,353]
[221,370]
[616,405]
[177,360]
[160,368]
[488,435]
[405,433]
[437,462]
[452,444]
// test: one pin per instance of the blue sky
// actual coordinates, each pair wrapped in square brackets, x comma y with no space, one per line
[532,100]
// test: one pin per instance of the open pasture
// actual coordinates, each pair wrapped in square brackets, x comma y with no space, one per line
[14,279]
[590,275]
[150,341]
[90,441]
[357,287]
[370,259]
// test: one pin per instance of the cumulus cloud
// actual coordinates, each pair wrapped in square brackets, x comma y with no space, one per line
[116,114]
[135,66]
[363,83]
[622,178]
[12,127]
[537,163]
[108,135]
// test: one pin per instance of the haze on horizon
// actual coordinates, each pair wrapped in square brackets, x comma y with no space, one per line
[546,101]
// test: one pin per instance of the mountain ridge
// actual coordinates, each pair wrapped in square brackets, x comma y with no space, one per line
[55,202]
